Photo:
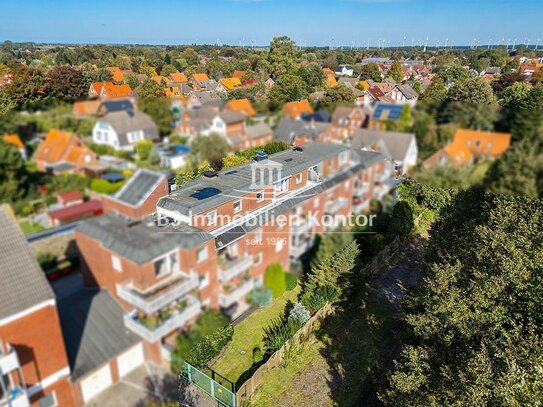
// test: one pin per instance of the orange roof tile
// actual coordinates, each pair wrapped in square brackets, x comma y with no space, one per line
[295,109]
[118,76]
[238,74]
[14,139]
[86,107]
[328,72]
[230,83]
[241,105]
[175,93]
[468,143]
[55,145]
[161,79]
[365,84]
[178,77]
[199,77]
[331,81]
[113,69]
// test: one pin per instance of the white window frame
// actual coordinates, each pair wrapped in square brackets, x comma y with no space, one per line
[204,280]
[261,198]
[214,214]
[167,256]
[281,187]
[299,178]
[240,202]
[116,263]
[202,258]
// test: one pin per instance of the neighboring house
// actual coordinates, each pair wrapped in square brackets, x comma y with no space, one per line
[383,113]
[62,152]
[243,106]
[404,94]
[172,156]
[199,77]
[345,70]
[112,106]
[75,212]
[350,82]
[229,84]
[239,74]
[469,145]
[108,90]
[175,93]
[297,108]
[123,129]
[70,198]
[293,131]
[34,369]
[178,78]
[197,120]
[331,81]
[16,141]
[328,72]
[191,257]
[199,99]
[346,120]
[401,148]
[209,85]
[86,108]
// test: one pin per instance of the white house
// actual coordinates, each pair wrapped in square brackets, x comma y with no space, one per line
[404,94]
[123,129]
[345,70]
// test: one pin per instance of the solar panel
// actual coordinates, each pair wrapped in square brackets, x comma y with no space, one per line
[206,193]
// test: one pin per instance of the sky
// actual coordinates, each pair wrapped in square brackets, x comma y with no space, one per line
[308,22]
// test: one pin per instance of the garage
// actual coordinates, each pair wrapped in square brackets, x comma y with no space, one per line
[96,383]
[130,360]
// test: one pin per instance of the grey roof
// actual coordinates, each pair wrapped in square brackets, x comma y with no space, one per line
[230,116]
[408,91]
[141,241]
[23,281]
[116,105]
[348,81]
[289,129]
[139,187]
[193,197]
[208,85]
[397,144]
[208,97]
[258,130]
[126,121]
[94,331]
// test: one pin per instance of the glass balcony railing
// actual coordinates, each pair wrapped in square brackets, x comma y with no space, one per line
[229,268]
[229,298]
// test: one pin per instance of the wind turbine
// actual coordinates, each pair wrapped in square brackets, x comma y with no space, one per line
[514,43]
[403,42]
[489,42]
[425,44]
[537,44]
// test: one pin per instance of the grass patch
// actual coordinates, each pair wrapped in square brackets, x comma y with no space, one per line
[248,334]
[30,227]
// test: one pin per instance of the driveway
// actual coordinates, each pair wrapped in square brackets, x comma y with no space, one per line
[148,383]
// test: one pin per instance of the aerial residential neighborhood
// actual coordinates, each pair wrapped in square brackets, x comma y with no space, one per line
[272,218]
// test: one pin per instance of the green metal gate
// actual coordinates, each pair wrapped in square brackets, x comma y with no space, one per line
[207,384]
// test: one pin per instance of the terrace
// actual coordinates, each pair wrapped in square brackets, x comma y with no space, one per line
[230,267]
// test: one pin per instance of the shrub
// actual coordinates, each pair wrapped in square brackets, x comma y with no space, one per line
[291,281]
[276,335]
[257,355]
[105,187]
[401,221]
[274,279]
[209,347]
[318,298]
[47,260]
[261,297]
[299,314]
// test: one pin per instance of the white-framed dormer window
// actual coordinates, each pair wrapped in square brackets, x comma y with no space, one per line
[299,178]
[201,255]
[116,263]
[238,206]
[167,264]
[211,218]
[259,196]
[281,187]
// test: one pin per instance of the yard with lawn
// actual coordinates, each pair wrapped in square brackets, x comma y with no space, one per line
[30,227]
[237,357]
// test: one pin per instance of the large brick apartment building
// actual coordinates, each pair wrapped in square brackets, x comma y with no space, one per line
[166,255]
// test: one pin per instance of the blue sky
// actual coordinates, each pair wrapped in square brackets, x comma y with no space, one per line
[317,22]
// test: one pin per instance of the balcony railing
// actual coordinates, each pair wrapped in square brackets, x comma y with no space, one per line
[17,397]
[302,226]
[9,360]
[174,322]
[362,189]
[231,268]
[227,299]
[151,302]
[335,206]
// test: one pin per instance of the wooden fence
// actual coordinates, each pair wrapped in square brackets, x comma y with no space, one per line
[249,387]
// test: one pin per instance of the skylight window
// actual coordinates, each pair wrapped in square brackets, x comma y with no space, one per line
[206,193]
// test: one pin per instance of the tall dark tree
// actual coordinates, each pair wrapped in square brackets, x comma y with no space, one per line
[65,83]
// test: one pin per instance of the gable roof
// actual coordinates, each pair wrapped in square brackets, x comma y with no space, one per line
[55,146]
[14,140]
[288,129]
[93,329]
[126,121]
[86,107]
[397,144]
[328,72]
[230,83]
[112,91]
[116,105]
[23,281]
[178,77]
[241,105]
[139,187]
[477,143]
[230,117]
[238,74]
[258,130]
[199,77]
[331,81]
[407,91]
[296,108]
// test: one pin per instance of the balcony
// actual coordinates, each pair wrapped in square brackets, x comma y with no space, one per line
[226,299]
[175,321]
[160,295]
[9,360]
[362,189]
[301,226]
[229,268]
[297,250]
[335,206]
[17,397]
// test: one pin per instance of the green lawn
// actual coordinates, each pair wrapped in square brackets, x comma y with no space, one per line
[238,355]
[30,227]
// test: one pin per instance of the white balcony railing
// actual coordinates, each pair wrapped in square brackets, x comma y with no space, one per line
[362,189]
[227,299]
[296,251]
[336,205]
[153,301]
[301,226]
[231,268]
[9,361]
[16,397]
[174,322]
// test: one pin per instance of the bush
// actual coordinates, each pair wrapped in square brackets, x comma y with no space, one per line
[261,297]
[315,300]
[105,187]
[276,335]
[257,355]
[209,347]
[401,221]
[291,281]
[47,260]
[299,314]
[274,279]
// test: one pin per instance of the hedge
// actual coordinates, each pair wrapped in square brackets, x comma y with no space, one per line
[274,279]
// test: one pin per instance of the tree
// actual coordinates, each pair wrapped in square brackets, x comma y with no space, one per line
[436,92]
[65,83]
[370,71]
[474,327]
[282,56]
[6,104]
[312,75]
[160,111]
[339,95]
[454,73]
[26,86]
[396,71]
[210,148]
[13,173]
[233,161]
[150,89]
[401,221]
[144,148]
[288,88]
[472,90]
[515,95]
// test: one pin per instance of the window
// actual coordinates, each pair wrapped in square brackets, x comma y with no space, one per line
[257,259]
[204,280]
[116,263]
[281,187]
[299,178]
[279,245]
[258,235]
[201,254]
[316,202]
[211,218]
[343,157]
[238,206]
[166,264]
[260,196]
